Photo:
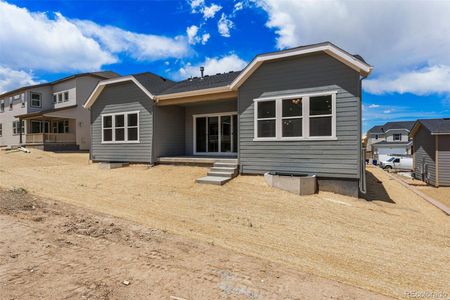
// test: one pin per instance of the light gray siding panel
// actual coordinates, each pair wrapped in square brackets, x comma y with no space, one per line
[116,98]
[424,156]
[204,108]
[314,73]
[169,131]
[444,160]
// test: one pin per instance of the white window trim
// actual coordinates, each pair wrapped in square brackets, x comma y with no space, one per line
[113,128]
[305,117]
[31,99]
[194,142]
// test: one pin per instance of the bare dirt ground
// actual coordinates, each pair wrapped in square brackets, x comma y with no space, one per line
[52,250]
[392,244]
[442,194]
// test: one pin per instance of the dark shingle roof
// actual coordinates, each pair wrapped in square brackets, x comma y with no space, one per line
[155,84]
[436,126]
[198,83]
[408,125]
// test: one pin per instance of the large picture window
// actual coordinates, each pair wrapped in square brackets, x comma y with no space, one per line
[120,128]
[296,117]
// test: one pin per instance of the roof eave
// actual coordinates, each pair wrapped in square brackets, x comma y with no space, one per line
[220,89]
[101,85]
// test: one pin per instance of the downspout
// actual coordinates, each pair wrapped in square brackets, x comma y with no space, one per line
[362,161]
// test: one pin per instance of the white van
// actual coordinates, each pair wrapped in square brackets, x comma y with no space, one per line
[398,163]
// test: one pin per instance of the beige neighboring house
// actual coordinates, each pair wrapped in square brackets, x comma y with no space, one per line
[49,116]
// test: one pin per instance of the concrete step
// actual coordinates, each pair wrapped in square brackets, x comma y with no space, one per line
[213,180]
[222,174]
[231,161]
[224,169]
[225,164]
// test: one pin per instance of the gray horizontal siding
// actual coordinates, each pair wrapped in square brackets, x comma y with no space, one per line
[444,160]
[169,131]
[123,97]
[424,156]
[314,73]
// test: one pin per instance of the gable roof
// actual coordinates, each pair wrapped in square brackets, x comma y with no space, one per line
[400,125]
[435,126]
[102,75]
[231,81]
[151,84]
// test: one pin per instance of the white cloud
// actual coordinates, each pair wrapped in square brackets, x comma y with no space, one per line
[224,26]
[199,6]
[192,33]
[35,40]
[143,47]
[195,4]
[238,6]
[210,11]
[12,79]
[194,38]
[374,106]
[425,81]
[205,38]
[212,66]
[32,40]
[392,42]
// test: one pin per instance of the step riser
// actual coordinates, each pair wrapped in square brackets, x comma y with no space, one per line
[225,165]
[227,175]
[223,169]
[206,181]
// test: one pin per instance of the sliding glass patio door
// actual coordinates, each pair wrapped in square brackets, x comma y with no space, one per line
[215,134]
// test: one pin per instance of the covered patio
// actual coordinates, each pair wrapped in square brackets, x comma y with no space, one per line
[45,127]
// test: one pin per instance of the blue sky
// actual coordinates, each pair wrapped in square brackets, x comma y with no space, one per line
[46,40]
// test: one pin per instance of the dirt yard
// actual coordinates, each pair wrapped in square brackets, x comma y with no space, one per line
[442,194]
[53,250]
[392,244]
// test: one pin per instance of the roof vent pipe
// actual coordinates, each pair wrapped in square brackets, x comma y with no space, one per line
[202,69]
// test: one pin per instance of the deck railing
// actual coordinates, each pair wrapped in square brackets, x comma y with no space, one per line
[42,138]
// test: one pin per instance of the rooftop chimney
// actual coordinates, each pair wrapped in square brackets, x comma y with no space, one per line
[202,69]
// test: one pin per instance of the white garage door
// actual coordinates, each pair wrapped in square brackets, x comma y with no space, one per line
[385,152]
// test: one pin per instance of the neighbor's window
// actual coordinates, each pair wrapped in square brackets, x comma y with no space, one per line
[11,100]
[2,106]
[266,119]
[296,117]
[35,100]
[1,129]
[60,97]
[397,136]
[66,96]
[120,128]
[55,98]
[16,127]
[376,136]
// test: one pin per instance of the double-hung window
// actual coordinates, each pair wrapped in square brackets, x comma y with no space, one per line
[1,129]
[35,100]
[296,117]
[11,101]
[397,136]
[2,105]
[60,98]
[120,128]
[66,96]
[17,128]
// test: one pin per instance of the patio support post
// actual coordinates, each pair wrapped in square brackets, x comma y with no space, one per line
[20,131]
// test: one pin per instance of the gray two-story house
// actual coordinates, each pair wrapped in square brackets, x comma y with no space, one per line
[392,138]
[295,111]
[49,116]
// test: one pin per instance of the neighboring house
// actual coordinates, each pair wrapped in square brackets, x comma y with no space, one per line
[390,138]
[49,115]
[296,111]
[431,151]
